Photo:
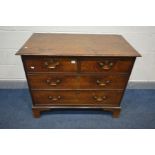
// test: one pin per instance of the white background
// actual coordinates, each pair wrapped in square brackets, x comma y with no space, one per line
[78,142]
[76,13]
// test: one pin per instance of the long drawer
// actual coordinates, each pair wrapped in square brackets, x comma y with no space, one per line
[92,98]
[55,81]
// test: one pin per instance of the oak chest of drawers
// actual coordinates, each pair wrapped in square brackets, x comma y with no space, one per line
[77,70]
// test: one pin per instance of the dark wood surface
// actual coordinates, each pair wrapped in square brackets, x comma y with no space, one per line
[61,81]
[64,87]
[78,45]
[56,64]
[49,64]
[63,72]
[103,65]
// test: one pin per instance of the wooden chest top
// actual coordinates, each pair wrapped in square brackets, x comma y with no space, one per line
[49,44]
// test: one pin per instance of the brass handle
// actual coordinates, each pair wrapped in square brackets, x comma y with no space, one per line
[51,64]
[54,98]
[53,83]
[99,99]
[100,83]
[106,65]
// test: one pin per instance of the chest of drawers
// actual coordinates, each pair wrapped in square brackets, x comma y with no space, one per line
[77,70]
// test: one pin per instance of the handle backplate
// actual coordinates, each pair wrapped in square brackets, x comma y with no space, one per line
[102,83]
[51,64]
[106,65]
[53,83]
[100,98]
[54,98]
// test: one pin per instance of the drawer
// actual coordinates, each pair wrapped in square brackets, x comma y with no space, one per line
[52,81]
[107,65]
[92,98]
[50,64]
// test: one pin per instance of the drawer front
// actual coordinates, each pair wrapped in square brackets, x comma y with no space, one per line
[52,81]
[91,98]
[48,64]
[107,65]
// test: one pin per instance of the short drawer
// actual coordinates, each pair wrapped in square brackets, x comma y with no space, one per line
[57,81]
[123,65]
[49,64]
[92,98]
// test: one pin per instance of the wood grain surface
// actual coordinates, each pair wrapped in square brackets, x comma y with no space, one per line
[77,45]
